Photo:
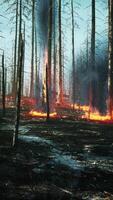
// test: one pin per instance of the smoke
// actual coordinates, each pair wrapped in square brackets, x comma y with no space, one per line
[42,19]
[98,79]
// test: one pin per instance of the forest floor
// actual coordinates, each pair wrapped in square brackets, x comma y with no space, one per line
[58,160]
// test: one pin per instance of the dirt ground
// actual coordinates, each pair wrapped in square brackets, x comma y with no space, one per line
[58,160]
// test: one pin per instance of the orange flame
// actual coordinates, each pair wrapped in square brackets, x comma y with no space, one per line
[87,113]
[41,114]
[92,115]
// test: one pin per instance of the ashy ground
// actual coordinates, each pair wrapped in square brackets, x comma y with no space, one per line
[58,160]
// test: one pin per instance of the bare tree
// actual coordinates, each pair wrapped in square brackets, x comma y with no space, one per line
[110,75]
[3,84]
[19,77]
[60,54]
[32,51]
[73,51]
[49,54]
[93,83]
[15,53]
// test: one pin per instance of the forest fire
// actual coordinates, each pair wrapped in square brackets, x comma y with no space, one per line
[81,112]
[96,116]
[35,113]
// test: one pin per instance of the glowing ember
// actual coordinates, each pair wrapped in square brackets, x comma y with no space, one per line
[41,114]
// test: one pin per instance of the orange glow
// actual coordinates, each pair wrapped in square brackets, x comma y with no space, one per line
[87,114]
[91,115]
[97,117]
[35,113]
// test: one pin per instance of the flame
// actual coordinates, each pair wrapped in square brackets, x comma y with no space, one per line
[97,117]
[35,113]
[87,114]
[92,115]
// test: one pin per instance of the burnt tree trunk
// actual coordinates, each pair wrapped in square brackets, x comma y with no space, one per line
[36,65]
[32,52]
[15,55]
[3,85]
[19,78]
[48,65]
[93,81]
[47,95]
[55,51]
[24,37]
[110,75]
[73,53]
[60,54]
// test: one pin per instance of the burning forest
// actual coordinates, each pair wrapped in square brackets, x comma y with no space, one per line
[56,99]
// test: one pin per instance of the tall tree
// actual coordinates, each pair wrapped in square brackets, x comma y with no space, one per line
[32,51]
[24,38]
[3,84]
[55,51]
[36,64]
[49,54]
[110,72]
[60,54]
[19,77]
[73,51]
[15,52]
[92,94]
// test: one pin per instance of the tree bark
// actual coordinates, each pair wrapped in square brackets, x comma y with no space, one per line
[15,54]
[19,79]
[24,38]
[93,82]
[73,52]
[47,95]
[110,72]
[60,56]
[3,85]
[55,51]
[48,65]
[36,65]
[32,52]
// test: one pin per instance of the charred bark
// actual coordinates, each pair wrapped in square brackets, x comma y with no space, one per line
[19,78]
[47,95]
[73,53]
[93,69]
[32,52]
[55,51]
[48,65]
[110,76]
[60,55]
[15,54]
[3,85]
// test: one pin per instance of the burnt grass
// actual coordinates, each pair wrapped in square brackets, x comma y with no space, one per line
[37,169]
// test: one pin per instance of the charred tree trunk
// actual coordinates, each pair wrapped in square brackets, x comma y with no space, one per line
[73,52]
[47,94]
[93,82]
[23,61]
[36,65]
[15,54]
[32,52]
[15,139]
[110,78]
[60,55]
[55,51]
[48,66]
[3,85]
[5,81]
[19,78]
[0,82]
